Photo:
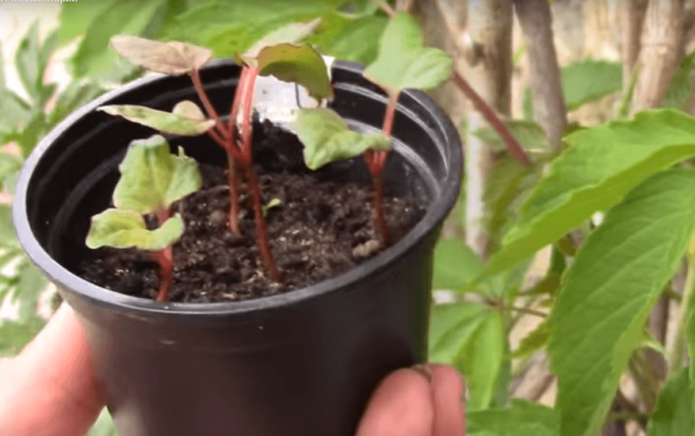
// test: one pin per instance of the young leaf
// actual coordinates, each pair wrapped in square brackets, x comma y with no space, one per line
[153,178]
[674,412]
[327,138]
[125,228]
[451,327]
[288,34]
[609,291]
[403,62]
[521,419]
[173,58]
[601,166]
[298,64]
[185,120]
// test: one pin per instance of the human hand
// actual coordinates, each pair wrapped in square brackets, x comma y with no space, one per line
[51,390]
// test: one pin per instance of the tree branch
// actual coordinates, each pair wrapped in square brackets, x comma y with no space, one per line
[548,102]
[632,21]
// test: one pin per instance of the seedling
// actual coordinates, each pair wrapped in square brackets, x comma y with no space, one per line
[152,179]
[403,62]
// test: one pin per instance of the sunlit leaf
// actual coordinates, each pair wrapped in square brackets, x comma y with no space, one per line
[290,33]
[674,412]
[455,265]
[521,419]
[609,291]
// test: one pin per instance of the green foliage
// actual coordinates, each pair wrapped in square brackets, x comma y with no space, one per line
[327,138]
[609,291]
[589,80]
[455,265]
[602,164]
[357,39]
[15,335]
[534,341]
[521,419]
[289,34]
[529,134]
[186,119]
[104,425]
[403,62]
[298,64]
[674,412]
[125,229]
[152,178]
[679,93]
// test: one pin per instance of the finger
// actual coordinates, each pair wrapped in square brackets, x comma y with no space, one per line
[447,395]
[401,406]
[53,389]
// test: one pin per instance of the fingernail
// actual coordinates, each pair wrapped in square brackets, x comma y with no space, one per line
[425,370]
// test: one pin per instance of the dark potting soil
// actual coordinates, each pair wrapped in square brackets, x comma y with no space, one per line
[319,230]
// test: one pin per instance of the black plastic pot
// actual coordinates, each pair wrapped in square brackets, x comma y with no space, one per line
[302,363]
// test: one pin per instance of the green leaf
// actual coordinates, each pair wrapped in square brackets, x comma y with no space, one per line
[233,27]
[521,419]
[403,62]
[451,328]
[173,58]
[185,120]
[589,80]
[77,17]
[534,341]
[507,186]
[483,359]
[327,138]
[601,166]
[358,40]
[104,425]
[29,65]
[274,202]
[14,336]
[9,164]
[288,34]
[674,412]
[679,93]
[153,178]
[529,134]
[609,290]
[120,17]
[298,64]
[75,95]
[8,237]
[31,284]
[125,229]
[455,265]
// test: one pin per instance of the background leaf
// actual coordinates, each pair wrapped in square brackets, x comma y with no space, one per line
[674,412]
[601,166]
[403,62]
[588,80]
[483,359]
[608,292]
[455,265]
[529,134]
[451,327]
[14,336]
[521,419]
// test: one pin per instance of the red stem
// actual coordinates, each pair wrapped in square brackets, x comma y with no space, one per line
[262,240]
[200,89]
[246,128]
[233,180]
[375,162]
[238,95]
[513,145]
[165,258]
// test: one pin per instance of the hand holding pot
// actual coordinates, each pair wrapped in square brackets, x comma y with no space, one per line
[50,389]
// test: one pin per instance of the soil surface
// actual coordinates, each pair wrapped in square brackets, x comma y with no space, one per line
[320,229]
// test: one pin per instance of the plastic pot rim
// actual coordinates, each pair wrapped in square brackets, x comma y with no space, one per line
[435,214]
